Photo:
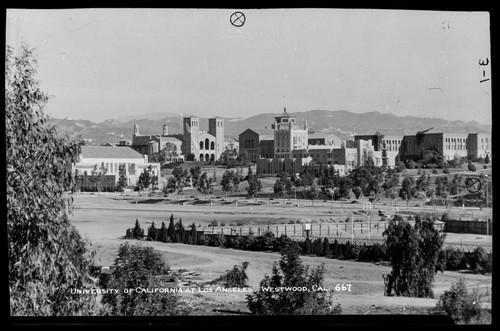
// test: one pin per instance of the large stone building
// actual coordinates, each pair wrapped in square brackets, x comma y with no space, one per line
[288,135]
[295,148]
[151,144]
[111,158]
[479,145]
[451,142]
[257,143]
[193,144]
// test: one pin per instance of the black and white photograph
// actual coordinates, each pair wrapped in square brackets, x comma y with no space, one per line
[235,163]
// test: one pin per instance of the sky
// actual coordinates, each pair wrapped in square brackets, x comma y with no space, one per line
[107,63]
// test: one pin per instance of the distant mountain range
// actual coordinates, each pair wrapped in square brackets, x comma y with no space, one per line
[340,122]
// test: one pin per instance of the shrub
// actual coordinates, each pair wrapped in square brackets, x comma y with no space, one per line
[461,306]
[283,242]
[218,240]
[351,251]
[434,171]
[137,232]
[236,277]
[471,166]
[290,272]
[478,259]
[455,259]
[138,266]
[202,240]
[446,170]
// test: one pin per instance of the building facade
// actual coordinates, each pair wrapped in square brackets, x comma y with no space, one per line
[111,159]
[257,143]
[193,144]
[288,135]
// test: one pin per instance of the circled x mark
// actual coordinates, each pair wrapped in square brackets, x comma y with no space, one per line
[14,178]
[472,185]
[237,19]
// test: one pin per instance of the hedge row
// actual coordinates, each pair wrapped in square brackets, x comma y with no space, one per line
[452,258]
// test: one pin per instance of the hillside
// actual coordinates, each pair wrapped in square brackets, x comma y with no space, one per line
[341,122]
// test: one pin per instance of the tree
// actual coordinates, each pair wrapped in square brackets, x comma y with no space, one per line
[97,175]
[463,307]
[407,190]
[163,233]
[137,231]
[138,267]
[243,156]
[180,232]
[254,184]
[415,256]
[204,185]
[194,234]
[385,159]
[171,229]
[313,193]
[165,154]
[122,179]
[227,181]
[290,272]
[357,191]
[180,178]
[46,255]
[487,159]
[195,176]
[152,233]
[455,184]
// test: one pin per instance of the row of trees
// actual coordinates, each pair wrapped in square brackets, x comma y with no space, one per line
[372,182]
[174,233]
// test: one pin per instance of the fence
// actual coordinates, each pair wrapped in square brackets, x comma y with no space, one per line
[347,229]
[476,227]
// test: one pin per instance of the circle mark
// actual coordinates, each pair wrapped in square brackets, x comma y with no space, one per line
[237,19]
[14,178]
[473,185]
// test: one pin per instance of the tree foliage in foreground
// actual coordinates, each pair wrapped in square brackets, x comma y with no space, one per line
[459,304]
[47,257]
[415,256]
[140,268]
[290,272]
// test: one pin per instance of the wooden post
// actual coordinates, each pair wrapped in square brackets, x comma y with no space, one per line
[320,229]
[285,230]
[276,231]
[258,231]
[240,230]
[294,226]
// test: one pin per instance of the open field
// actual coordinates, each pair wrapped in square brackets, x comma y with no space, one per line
[104,219]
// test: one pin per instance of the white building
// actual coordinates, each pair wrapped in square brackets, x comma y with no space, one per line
[111,158]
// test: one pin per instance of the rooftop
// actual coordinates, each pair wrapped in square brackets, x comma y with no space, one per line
[111,152]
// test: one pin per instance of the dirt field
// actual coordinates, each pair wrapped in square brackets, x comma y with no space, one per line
[104,220]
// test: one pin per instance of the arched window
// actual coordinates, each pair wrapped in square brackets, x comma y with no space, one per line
[207,157]
[207,143]
[212,157]
[201,144]
[201,157]
[212,146]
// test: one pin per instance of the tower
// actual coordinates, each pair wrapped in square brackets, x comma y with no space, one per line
[216,129]
[191,133]
[136,130]
[165,130]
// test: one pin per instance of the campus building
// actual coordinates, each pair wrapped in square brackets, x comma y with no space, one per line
[111,158]
[257,143]
[193,144]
